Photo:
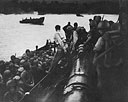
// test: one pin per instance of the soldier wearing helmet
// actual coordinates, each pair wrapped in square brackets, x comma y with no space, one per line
[102,27]
[81,35]
[26,55]
[12,95]
[113,37]
[93,34]
[99,47]
[7,75]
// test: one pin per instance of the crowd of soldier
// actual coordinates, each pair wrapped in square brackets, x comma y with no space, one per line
[19,75]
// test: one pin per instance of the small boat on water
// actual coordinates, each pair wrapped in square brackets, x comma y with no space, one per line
[37,21]
[79,15]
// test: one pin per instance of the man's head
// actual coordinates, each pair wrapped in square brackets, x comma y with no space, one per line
[75,24]
[97,19]
[69,23]
[13,58]
[27,51]
[93,24]
[103,26]
[57,27]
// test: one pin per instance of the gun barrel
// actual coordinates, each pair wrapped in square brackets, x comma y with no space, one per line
[77,86]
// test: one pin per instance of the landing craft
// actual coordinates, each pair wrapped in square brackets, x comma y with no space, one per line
[79,15]
[36,21]
[74,85]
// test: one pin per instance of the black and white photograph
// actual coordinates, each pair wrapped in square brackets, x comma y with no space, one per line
[63,50]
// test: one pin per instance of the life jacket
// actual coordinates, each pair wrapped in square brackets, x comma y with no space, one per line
[113,57]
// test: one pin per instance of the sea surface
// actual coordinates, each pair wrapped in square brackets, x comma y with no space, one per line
[15,38]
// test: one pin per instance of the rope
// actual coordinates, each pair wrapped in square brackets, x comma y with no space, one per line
[37,84]
[34,87]
[50,71]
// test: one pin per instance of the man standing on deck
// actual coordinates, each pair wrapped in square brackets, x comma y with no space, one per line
[61,47]
[99,48]
[59,38]
[67,31]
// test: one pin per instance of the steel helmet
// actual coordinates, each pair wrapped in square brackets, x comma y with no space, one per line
[11,83]
[22,61]
[7,73]
[103,25]
[21,69]
[16,77]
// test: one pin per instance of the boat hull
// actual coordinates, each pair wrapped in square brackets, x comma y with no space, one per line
[36,21]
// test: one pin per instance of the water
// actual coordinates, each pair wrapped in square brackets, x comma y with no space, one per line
[15,38]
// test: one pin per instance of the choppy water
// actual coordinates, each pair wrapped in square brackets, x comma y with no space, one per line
[16,37]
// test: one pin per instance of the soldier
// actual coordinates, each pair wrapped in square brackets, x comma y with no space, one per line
[75,26]
[97,19]
[12,95]
[93,35]
[26,55]
[92,24]
[113,37]
[13,58]
[1,87]
[103,27]
[27,77]
[68,32]
[108,39]
[79,36]
[61,48]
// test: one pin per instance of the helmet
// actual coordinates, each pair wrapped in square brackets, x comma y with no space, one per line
[22,61]
[103,25]
[7,73]
[16,77]
[21,69]
[11,83]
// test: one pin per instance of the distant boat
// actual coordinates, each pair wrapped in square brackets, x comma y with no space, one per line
[37,21]
[79,15]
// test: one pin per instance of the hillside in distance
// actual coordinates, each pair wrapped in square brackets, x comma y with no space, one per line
[57,7]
